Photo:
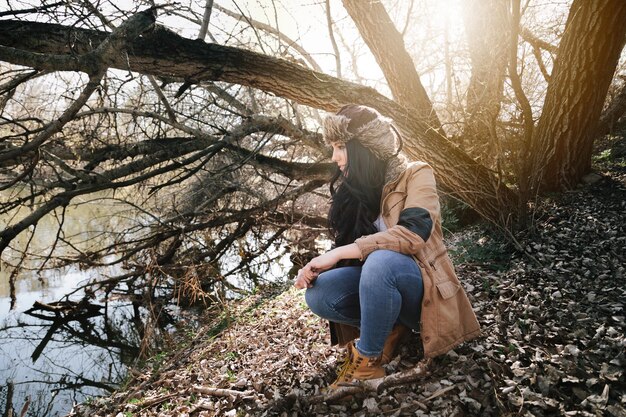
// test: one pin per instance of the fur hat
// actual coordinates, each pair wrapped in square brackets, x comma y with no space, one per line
[374,131]
[365,124]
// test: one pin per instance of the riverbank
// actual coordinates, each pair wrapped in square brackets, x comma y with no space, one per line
[553,336]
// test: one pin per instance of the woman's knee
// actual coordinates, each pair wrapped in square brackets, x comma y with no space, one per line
[314,299]
[319,295]
[377,269]
[385,267]
[335,295]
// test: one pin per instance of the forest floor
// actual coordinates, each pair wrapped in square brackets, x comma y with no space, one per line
[553,336]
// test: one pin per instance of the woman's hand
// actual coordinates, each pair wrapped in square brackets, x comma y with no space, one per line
[324,262]
[317,265]
[304,279]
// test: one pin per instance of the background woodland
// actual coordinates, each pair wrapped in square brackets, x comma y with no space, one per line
[200,121]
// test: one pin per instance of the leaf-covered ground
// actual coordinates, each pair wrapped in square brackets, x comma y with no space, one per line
[553,340]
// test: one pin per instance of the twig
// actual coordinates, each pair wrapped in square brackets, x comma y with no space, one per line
[440,392]
[221,392]
[157,400]
[25,407]
[421,370]
[271,30]
[331,34]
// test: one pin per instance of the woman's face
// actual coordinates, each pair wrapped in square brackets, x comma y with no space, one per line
[340,155]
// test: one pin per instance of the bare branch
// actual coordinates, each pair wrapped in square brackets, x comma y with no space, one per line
[537,45]
[517,87]
[542,66]
[31,10]
[408,18]
[331,34]
[269,29]
[16,81]
[162,98]
[228,98]
[204,28]
[530,37]
[160,151]
[57,125]
[96,64]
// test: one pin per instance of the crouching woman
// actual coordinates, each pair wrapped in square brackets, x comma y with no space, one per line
[389,270]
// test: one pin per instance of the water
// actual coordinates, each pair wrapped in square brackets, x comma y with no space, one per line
[53,363]
[69,369]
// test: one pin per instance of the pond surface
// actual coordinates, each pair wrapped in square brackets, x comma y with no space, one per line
[69,368]
[51,358]
[53,354]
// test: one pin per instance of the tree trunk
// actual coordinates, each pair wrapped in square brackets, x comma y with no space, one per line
[387,45]
[168,55]
[586,60]
[486,28]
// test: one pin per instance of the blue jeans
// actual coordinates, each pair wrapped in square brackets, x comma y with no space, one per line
[388,288]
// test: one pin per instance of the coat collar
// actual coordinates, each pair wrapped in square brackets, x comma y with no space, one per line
[395,167]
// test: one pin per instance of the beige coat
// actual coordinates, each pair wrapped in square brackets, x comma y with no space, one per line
[447,317]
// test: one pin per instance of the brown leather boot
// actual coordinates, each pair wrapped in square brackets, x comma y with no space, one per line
[357,368]
[398,333]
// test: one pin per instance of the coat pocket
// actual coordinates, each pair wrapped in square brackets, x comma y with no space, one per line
[448,318]
[447,289]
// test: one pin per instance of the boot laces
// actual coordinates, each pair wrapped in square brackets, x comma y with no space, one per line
[347,369]
[343,368]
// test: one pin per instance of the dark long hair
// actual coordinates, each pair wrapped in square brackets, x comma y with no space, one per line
[355,203]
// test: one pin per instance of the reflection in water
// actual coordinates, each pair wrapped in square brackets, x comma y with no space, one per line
[62,341]
[57,353]
[47,360]
[90,222]
[57,350]
[56,358]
